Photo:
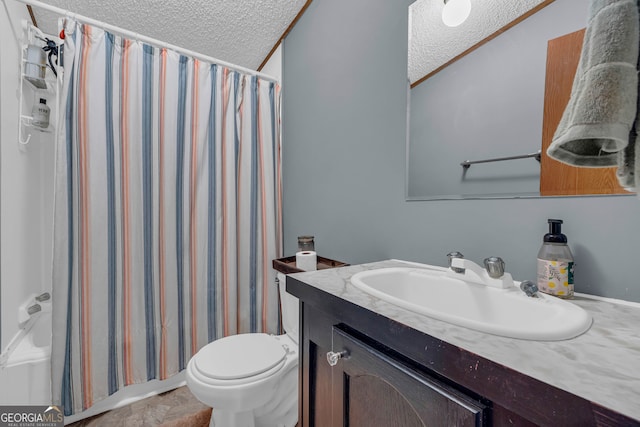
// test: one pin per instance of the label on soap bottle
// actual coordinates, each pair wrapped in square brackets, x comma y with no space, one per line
[555,277]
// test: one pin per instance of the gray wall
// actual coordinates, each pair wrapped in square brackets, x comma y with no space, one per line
[488,104]
[344,118]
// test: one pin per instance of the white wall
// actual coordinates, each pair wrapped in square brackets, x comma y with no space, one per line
[26,179]
[273,67]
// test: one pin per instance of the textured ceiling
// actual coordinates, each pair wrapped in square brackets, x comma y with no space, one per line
[240,32]
[432,44]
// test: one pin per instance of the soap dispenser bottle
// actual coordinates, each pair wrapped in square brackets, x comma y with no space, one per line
[555,263]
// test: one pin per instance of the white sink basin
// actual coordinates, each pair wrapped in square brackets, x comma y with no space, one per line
[437,292]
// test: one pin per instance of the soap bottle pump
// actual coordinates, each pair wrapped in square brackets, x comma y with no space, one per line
[555,263]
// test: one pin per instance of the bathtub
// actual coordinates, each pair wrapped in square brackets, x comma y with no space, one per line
[25,374]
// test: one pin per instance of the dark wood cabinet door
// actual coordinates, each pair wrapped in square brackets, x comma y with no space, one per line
[372,389]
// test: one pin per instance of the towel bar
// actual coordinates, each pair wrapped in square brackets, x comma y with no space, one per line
[467,163]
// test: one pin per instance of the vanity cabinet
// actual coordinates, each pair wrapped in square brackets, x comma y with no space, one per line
[371,388]
[388,374]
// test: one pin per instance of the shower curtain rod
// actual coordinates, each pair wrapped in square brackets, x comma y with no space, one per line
[145,39]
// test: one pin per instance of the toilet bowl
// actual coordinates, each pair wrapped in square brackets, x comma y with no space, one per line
[250,380]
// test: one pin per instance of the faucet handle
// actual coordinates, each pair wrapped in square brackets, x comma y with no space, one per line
[451,256]
[494,266]
[43,297]
[31,310]
[529,288]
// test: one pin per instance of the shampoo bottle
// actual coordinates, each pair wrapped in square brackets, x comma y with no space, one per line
[555,263]
[40,113]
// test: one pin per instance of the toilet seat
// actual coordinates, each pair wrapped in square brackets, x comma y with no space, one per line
[239,359]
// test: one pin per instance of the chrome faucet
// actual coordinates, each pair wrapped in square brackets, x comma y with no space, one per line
[492,275]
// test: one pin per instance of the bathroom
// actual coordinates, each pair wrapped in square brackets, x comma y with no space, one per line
[344,138]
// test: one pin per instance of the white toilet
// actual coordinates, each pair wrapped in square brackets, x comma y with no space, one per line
[251,380]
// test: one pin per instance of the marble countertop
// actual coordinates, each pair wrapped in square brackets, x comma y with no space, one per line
[602,365]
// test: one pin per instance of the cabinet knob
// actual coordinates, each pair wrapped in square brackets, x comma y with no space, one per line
[333,357]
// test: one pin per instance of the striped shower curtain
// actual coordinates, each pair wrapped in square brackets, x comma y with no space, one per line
[167,212]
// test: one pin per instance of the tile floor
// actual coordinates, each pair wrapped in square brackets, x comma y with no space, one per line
[176,408]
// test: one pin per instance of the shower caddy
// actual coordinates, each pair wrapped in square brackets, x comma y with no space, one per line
[33,88]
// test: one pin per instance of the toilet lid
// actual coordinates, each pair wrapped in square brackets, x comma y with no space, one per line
[239,356]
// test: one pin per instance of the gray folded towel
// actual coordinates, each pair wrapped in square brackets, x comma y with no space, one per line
[628,172]
[629,159]
[597,122]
